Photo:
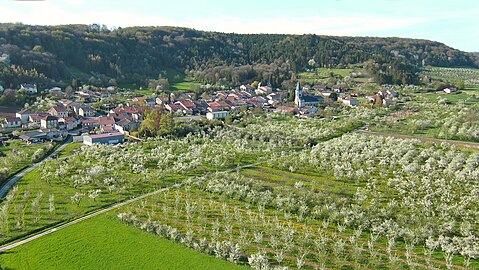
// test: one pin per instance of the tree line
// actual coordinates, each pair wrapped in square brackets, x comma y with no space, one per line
[136,54]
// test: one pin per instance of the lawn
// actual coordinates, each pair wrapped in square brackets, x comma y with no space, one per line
[104,243]
[184,86]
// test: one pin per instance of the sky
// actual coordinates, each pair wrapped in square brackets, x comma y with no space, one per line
[453,22]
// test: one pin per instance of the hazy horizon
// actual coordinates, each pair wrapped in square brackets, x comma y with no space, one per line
[451,23]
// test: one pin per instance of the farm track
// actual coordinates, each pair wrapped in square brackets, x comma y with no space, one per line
[101,211]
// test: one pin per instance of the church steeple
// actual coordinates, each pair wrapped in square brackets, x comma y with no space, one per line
[298,95]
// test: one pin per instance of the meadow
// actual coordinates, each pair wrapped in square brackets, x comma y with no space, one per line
[321,75]
[105,243]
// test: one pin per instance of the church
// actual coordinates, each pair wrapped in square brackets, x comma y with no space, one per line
[301,100]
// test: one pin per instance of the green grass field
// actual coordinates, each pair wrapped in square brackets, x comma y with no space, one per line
[321,75]
[104,243]
[184,86]
[469,97]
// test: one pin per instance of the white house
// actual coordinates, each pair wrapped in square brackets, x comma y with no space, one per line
[12,122]
[86,111]
[29,88]
[24,115]
[217,115]
[449,90]
[58,111]
[351,102]
[57,91]
[70,122]
[49,121]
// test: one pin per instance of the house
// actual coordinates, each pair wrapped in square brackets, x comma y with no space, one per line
[217,115]
[36,118]
[24,115]
[86,111]
[162,100]
[263,90]
[49,121]
[58,111]
[54,134]
[106,124]
[12,122]
[106,138]
[57,91]
[65,102]
[29,88]
[90,124]
[449,90]
[387,102]
[188,105]
[201,106]
[351,102]
[247,87]
[126,124]
[69,123]
[33,137]
[218,106]
[383,93]
[273,98]
[174,108]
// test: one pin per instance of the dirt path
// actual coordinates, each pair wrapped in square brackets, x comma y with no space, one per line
[101,211]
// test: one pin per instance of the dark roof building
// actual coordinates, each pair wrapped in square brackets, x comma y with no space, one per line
[107,138]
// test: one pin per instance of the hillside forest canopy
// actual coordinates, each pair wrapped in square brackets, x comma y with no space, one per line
[97,55]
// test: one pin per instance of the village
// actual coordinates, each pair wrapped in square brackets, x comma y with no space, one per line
[76,116]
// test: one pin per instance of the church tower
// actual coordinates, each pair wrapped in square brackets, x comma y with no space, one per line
[298,96]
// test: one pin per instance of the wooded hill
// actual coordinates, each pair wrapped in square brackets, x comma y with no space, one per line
[98,55]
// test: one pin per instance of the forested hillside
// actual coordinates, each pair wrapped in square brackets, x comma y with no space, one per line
[132,55]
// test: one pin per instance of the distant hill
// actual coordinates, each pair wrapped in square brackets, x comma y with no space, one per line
[134,54]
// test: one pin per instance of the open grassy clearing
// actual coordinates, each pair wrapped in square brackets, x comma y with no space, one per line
[185,86]
[323,74]
[466,97]
[316,182]
[104,243]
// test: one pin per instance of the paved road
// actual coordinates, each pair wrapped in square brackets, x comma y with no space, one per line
[115,206]
[14,179]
